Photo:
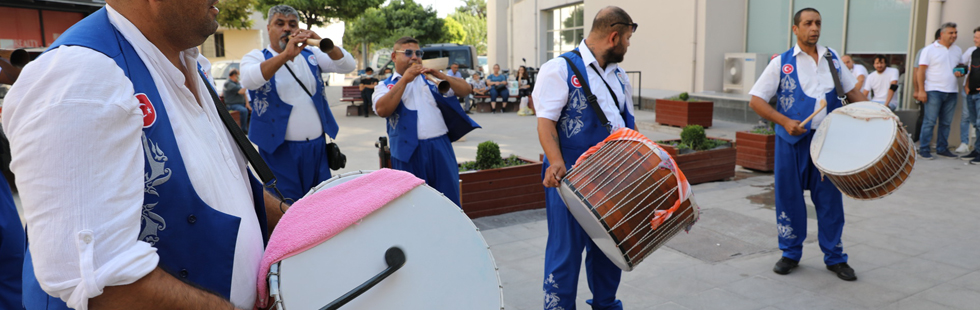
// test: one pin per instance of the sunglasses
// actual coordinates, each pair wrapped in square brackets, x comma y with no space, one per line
[408,53]
[632,25]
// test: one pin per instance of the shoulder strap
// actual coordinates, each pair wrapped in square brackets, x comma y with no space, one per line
[593,101]
[833,72]
[611,93]
[297,79]
[259,165]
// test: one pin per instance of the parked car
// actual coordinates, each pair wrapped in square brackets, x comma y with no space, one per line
[464,55]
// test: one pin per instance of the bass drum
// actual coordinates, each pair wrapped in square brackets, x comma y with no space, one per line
[448,263]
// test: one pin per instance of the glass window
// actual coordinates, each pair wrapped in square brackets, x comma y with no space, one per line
[871,26]
[769,26]
[565,29]
[831,19]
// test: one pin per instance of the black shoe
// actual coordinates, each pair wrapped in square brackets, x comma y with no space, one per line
[975,161]
[843,271]
[946,153]
[785,265]
[970,156]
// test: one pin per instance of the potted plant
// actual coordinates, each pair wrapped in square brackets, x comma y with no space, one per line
[757,148]
[702,159]
[493,185]
[680,111]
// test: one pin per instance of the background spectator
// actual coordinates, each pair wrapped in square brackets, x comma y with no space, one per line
[857,70]
[235,98]
[523,91]
[367,89]
[498,89]
[939,90]
[882,83]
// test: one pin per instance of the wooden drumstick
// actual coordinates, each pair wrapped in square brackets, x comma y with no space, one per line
[823,104]
[325,45]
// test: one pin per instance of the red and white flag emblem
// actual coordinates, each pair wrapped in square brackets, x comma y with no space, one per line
[575,81]
[787,68]
[149,113]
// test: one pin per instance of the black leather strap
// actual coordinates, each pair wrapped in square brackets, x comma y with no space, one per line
[591,98]
[259,165]
[833,72]
[611,93]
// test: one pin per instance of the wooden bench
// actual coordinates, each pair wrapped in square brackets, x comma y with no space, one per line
[483,103]
[352,94]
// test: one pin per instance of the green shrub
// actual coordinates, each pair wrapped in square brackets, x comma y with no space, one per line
[510,161]
[693,136]
[769,129]
[681,97]
[488,155]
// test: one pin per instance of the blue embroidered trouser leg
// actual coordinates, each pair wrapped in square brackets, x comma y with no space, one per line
[435,162]
[298,166]
[795,172]
[563,260]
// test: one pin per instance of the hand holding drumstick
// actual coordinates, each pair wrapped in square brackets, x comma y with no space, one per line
[823,104]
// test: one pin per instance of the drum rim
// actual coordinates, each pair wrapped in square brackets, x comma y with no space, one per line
[619,259]
[269,276]
[823,130]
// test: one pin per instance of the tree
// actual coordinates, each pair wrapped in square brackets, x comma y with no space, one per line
[397,19]
[235,13]
[476,30]
[319,12]
[474,7]
[453,31]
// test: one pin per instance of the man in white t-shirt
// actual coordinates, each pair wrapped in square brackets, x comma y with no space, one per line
[857,70]
[938,89]
[882,83]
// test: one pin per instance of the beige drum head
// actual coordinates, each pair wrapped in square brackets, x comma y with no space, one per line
[853,138]
[448,264]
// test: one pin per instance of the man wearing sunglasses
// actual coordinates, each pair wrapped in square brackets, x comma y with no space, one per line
[568,125]
[290,113]
[422,122]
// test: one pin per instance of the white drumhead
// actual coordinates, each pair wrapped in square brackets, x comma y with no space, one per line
[853,137]
[593,227]
[448,263]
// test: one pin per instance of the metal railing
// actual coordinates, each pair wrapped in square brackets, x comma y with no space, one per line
[637,82]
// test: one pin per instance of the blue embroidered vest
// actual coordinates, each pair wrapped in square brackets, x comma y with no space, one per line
[403,126]
[194,241]
[579,127]
[793,102]
[267,127]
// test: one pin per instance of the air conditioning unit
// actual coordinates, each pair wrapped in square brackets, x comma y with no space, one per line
[741,71]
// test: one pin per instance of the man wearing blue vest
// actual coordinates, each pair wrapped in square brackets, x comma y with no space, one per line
[134,192]
[422,123]
[568,124]
[802,77]
[290,113]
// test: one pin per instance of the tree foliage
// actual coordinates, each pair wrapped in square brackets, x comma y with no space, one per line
[319,12]
[235,13]
[453,31]
[382,26]
[475,27]
[474,7]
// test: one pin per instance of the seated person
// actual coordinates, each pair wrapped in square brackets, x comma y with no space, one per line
[367,90]
[523,91]
[479,89]
[234,95]
[498,89]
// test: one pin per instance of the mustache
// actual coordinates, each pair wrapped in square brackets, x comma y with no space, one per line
[285,34]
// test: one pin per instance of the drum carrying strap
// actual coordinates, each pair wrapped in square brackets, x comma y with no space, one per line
[593,100]
[259,165]
[833,72]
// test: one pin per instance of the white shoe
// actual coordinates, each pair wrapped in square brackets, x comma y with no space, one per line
[963,148]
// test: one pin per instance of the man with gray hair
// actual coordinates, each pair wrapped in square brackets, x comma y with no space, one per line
[290,113]
[936,63]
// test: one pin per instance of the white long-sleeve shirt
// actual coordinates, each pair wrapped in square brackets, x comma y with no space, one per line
[304,121]
[417,97]
[75,130]
[815,78]
[551,89]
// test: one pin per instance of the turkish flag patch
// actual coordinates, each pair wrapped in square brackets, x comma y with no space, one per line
[149,113]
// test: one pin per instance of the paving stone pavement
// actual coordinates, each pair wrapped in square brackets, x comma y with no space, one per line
[915,249]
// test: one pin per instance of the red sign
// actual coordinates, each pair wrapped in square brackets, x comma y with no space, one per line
[787,68]
[21,28]
[149,113]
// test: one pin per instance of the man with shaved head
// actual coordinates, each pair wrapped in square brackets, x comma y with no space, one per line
[134,193]
[568,124]
[802,77]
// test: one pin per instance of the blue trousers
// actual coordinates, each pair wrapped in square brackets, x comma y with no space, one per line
[494,94]
[12,248]
[298,166]
[563,259]
[972,103]
[939,106]
[795,173]
[242,114]
[435,162]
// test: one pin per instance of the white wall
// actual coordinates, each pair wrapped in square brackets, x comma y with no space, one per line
[720,30]
[497,33]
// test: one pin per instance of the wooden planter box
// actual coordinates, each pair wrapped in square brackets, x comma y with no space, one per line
[683,113]
[502,190]
[756,151]
[705,166]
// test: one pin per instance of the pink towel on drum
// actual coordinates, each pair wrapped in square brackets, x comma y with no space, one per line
[322,215]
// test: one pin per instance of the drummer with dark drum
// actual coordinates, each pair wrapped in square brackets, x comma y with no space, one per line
[568,124]
[802,77]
